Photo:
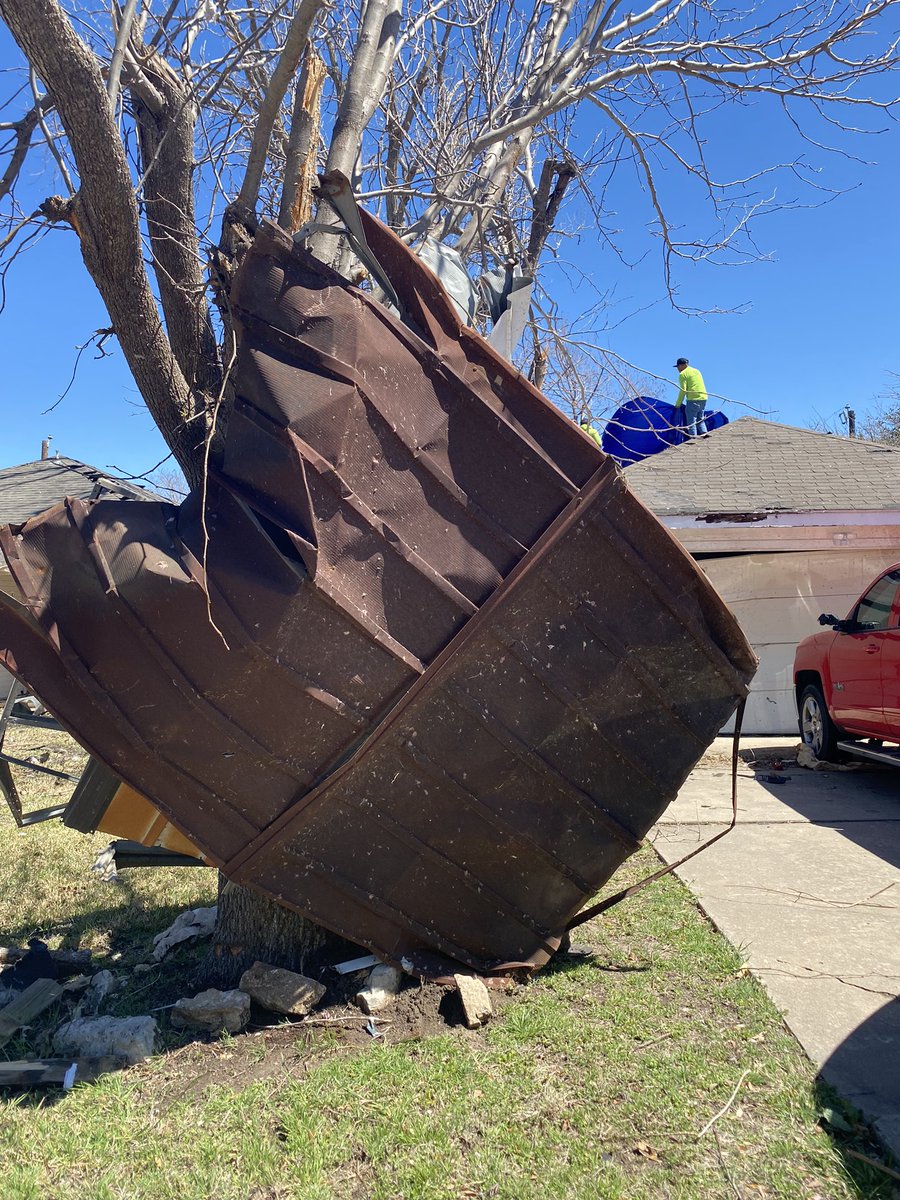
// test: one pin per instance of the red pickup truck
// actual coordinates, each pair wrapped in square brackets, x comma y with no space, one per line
[847,678]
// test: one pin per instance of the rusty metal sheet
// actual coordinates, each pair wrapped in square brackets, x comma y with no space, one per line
[422,668]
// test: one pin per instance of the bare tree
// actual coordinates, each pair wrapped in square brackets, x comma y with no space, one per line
[879,423]
[167,126]
[882,425]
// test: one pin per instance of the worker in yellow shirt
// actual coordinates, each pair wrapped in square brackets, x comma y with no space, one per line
[691,393]
[592,432]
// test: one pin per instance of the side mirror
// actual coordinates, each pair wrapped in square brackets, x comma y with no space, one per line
[838,624]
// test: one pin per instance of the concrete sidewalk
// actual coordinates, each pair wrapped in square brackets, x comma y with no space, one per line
[808,887]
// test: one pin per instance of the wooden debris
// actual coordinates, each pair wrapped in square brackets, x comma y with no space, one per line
[57,1072]
[71,962]
[68,962]
[32,1002]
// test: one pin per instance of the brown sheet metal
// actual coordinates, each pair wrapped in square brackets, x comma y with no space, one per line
[441,671]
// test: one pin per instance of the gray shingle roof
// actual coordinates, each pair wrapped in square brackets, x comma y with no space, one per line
[757,466]
[30,488]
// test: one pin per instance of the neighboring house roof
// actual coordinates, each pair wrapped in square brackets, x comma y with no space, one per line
[754,466]
[30,488]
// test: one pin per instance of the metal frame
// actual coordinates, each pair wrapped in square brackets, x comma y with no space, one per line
[8,787]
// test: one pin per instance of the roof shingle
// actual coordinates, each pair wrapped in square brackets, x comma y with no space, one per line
[759,466]
[30,488]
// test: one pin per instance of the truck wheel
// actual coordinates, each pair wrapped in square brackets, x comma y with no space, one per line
[817,729]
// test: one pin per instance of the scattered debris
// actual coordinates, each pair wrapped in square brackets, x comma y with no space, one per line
[130,1038]
[57,1072]
[580,950]
[645,1150]
[142,968]
[99,987]
[31,1003]
[71,962]
[724,1109]
[381,988]
[77,983]
[213,1011]
[372,1029]
[36,963]
[187,926]
[806,758]
[356,964]
[476,1000]
[773,778]
[104,865]
[279,990]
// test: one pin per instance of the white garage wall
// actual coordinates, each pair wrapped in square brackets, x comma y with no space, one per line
[777,598]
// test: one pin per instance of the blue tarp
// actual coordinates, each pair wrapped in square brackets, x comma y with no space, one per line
[645,426]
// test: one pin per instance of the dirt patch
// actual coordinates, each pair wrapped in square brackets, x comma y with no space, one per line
[281,1048]
[751,756]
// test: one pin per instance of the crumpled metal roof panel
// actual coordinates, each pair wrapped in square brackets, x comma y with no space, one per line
[421,668]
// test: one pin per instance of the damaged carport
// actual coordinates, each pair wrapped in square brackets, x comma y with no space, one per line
[417,665]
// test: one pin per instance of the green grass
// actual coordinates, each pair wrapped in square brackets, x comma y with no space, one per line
[595,1081]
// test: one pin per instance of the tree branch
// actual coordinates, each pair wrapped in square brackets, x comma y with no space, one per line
[23,130]
[299,171]
[104,214]
[115,66]
[372,60]
[166,141]
[285,69]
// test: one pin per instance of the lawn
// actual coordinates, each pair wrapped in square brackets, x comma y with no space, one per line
[655,1069]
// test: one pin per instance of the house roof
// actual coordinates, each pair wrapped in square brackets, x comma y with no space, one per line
[753,466]
[30,488]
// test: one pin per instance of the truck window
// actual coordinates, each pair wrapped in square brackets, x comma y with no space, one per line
[874,610]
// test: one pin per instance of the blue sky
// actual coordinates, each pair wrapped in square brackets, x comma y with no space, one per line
[816,330]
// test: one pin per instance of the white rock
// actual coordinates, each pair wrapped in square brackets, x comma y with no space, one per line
[381,988]
[132,1038]
[280,990]
[213,1011]
[476,1000]
[187,926]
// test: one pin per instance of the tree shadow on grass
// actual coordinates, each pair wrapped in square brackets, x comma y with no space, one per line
[566,961]
[129,936]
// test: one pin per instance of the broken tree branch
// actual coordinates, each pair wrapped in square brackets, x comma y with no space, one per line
[285,69]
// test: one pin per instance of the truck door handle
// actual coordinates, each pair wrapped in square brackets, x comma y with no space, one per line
[871,649]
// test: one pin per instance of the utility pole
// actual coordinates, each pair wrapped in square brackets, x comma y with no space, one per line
[848,416]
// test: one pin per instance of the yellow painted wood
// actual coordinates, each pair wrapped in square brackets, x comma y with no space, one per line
[131,815]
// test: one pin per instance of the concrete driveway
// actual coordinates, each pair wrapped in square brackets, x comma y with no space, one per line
[808,887]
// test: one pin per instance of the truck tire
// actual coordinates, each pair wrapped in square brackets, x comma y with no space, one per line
[817,729]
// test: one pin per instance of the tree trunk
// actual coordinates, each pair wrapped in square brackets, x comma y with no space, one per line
[251,927]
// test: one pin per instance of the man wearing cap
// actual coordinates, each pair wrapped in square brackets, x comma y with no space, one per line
[692,393]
